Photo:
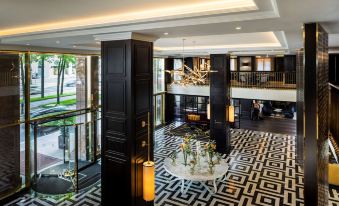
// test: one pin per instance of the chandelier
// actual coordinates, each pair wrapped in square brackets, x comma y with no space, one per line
[198,75]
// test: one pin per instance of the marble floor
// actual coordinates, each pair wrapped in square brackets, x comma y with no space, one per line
[262,171]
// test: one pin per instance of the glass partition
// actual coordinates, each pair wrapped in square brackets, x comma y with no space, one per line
[35,86]
[11,135]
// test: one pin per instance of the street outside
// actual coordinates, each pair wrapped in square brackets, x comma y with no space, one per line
[48,137]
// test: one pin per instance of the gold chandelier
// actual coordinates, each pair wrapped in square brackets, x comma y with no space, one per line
[188,76]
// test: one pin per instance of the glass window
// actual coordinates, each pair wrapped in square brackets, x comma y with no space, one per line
[264,64]
[233,65]
[177,66]
[158,75]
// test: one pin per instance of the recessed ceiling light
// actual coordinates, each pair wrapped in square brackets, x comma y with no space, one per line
[238,28]
[166,33]
[58,42]
[74,46]
[28,44]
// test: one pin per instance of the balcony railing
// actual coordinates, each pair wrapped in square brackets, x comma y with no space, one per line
[269,80]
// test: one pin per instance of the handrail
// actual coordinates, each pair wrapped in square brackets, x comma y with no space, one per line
[12,124]
[159,93]
[263,79]
[56,116]
[62,115]
[334,86]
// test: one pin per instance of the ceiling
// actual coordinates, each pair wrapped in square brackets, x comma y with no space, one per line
[208,26]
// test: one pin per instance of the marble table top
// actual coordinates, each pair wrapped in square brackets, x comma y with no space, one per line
[200,173]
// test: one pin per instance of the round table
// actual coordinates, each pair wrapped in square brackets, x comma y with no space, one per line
[201,174]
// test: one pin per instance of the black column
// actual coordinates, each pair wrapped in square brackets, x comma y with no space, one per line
[220,100]
[316,115]
[126,100]
[169,98]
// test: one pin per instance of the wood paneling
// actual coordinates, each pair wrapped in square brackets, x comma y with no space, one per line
[127,88]
[300,106]
[316,115]
[219,101]
[289,63]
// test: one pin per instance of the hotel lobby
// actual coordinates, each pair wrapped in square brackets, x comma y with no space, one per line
[169,103]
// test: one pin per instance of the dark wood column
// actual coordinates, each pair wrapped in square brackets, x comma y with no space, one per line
[219,101]
[126,100]
[316,115]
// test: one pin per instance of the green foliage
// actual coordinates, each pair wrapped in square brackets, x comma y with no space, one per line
[64,103]
[41,57]
[36,99]
[57,123]
[67,59]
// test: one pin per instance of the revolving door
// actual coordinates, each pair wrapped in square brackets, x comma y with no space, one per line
[65,153]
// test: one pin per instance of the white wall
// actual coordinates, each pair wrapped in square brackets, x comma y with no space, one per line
[289,95]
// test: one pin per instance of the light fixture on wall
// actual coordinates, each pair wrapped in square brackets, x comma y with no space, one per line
[148,167]
[208,111]
[246,64]
[231,114]
[198,75]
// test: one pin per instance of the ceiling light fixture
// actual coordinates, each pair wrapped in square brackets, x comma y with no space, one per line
[188,76]
[166,33]
[28,44]
[74,46]
[238,28]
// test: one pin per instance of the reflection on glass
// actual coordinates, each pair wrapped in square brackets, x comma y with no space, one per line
[10,179]
[177,65]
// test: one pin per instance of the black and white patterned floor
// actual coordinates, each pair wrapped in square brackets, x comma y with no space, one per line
[262,171]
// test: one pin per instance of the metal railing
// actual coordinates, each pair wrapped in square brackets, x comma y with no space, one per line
[269,80]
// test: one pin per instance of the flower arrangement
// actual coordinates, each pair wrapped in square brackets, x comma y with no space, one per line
[193,162]
[186,147]
[173,156]
[210,148]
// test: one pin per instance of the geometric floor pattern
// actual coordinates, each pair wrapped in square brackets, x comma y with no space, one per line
[90,197]
[262,171]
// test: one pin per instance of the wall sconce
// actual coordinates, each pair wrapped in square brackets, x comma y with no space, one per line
[148,168]
[231,113]
[245,64]
[208,111]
